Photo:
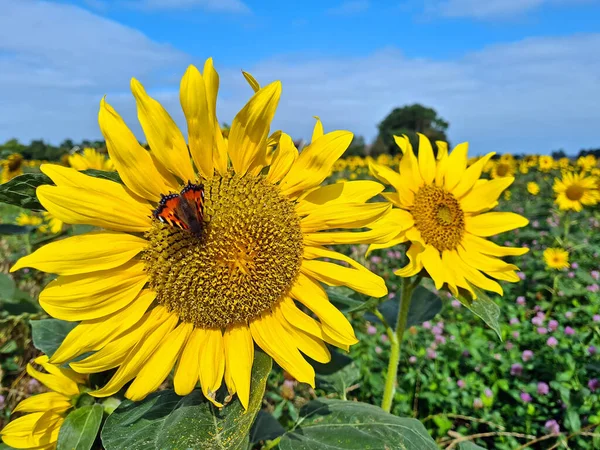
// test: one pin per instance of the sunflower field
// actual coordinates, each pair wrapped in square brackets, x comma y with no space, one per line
[225,289]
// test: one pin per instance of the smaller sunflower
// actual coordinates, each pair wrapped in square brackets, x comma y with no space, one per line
[39,428]
[25,219]
[556,258]
[90,158]
[533,188]
[11,167]
[546,163]
[574,191]
[503,168]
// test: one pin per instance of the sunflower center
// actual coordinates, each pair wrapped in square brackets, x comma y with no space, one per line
[438,217]
[242,263]
[502,169]
[574,192]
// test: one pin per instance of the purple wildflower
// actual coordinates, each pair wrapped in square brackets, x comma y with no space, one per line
[542,330]
[552,426]
[520,300]
[526,397]
[461,383]
[527,355]
[594,384]
[569,331]
[552,341]
[477,403]
[516,369]
[543,388]
[553,325]
[371,330]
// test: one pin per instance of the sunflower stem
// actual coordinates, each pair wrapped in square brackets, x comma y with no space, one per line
[396,342]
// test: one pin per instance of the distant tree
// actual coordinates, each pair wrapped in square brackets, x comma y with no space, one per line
[557,154]
[67,144]
[357,147]
[410,120]
[377,148]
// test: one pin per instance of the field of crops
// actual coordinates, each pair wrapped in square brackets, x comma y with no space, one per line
[524,374]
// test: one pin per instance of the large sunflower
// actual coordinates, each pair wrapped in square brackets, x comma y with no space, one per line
[90,158]
[443,212]
[574,191]
[151,296]
[38,429]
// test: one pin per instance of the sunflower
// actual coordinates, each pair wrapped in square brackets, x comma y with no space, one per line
[51,225]
[533,188]
[443,212]
[574,191]
[25,219]
[90,158]
[11,167]
[504,168]
[46,412]
[151,296]
[556,258]
[546,163]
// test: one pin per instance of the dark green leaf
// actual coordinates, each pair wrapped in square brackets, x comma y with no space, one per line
[20,191]
[9,347]
[80,428]
[342,297]
[484,307]
[338,361]
[265,428]
[112,176]
[7,228]
[424,305]
[336,424]
[341,380]
[48,334]
[573,422]
[165,420]
[7,287]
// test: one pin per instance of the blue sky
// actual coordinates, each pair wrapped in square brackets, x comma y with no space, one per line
[509,75]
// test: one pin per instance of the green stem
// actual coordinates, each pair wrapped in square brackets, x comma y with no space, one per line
[567,227]
[396,342]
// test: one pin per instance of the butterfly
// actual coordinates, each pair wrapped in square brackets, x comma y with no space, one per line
[184,210]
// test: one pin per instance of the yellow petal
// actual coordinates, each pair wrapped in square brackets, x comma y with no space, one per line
[315,162]
[471,176]
[415,264]
[317,130]
[212,364]
[353,215]
[432,262]
[313,296]
[450,260]
[48,401]
[55,382]
[426,159]
[475,277]
[509,275]
[457,164]
[132,161]
[334,275]
[399,182]
[482,197]
[490,248]
[337,194]
[283,159]
[163,135]
[192,95]
[33,431]
[409,166]
[115,352]
[492,223]
[304,322]
[398,239]
[84,253]
[211,82]
[188,369]
[251,81]
[378,235]
[159,365]
[484,262]
[91,335]
[239,356]
[269,334]
[89,296]
[442,165]
[250,128]
[137,357]
[311,346]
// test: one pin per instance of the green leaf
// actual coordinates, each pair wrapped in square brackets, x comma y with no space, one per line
[165,420]
[336,424]
[338,361]
[7,228]
[7,287]
[48,334]
[341,380]
[80,428]
[9,347]
[112,176]
[265,428]
[20,191]
[341,296]
[483,307]
[424,305]
[572,420]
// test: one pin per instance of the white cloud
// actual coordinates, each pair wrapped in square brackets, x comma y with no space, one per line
[349,7]
[491,9]
[229,6]
[533,95]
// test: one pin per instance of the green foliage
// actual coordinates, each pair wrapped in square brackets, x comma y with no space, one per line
[165,420]
[80,428]
[336,424]
[48,334]
[484,308]
[410,120]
